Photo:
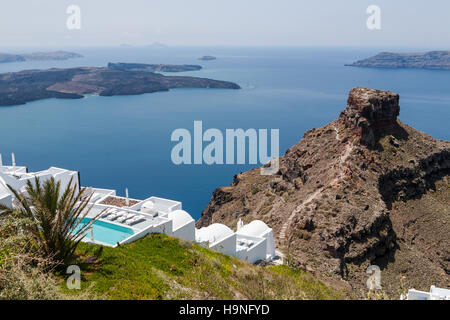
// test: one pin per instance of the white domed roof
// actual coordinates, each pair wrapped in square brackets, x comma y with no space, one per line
[148,204]
[213,233]
[255,228]
[179,218]
[150,208]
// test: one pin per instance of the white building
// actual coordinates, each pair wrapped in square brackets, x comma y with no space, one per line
[434,294]
[217,237]
[123,220]
[17,177]
[252,242]
[5,196]
[255,242]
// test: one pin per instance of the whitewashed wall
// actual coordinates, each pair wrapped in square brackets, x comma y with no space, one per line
[6,200]
[226,245]
[254,253]
[186,232]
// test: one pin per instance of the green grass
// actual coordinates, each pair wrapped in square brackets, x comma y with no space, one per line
[162,267]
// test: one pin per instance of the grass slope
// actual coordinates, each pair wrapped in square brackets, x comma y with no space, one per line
[162,267]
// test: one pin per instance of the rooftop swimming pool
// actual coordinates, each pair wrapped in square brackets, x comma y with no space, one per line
[107,233]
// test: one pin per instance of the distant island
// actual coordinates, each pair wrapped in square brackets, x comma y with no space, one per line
[435,60]
[73,83]
[38,56]
[207,58]
[153,67]
[157,45]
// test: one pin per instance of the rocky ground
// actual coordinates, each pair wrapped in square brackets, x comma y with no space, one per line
[364,189]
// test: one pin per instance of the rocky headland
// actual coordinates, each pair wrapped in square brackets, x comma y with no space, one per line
[38,56]
[73,83]
[365,189]
[436,60]
[153,67]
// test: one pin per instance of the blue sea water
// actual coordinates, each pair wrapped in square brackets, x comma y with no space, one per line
[119,142]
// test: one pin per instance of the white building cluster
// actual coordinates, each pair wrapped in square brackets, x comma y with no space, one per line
[17,177]
[132,219]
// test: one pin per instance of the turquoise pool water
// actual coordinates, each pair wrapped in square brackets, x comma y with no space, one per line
[107,232]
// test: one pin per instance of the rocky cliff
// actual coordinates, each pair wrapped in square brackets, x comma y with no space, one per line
[364,189]
[437,60]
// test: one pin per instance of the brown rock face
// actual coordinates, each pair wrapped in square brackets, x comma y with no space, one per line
[370,112]
[364,189]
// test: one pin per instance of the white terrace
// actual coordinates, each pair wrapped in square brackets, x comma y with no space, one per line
[133,219]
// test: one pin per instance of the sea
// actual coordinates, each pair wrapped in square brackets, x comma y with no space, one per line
[125,141]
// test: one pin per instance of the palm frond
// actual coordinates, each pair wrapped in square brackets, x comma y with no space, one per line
[58,216]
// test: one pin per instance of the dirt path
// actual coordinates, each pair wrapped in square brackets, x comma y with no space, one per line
[348,150]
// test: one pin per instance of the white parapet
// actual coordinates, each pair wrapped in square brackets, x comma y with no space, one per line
[434,294]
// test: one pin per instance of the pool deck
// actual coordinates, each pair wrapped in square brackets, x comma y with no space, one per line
[139,229]
[149,221]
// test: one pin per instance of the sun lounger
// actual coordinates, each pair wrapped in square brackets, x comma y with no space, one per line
[135,220]
[121,219]
[105,214]
[113,216]
[125,217]
[108,212]
[131,221]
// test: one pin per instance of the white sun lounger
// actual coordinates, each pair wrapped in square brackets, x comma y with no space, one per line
[125,217]
[108,212]
[113,216]
[135,220]
[105,214]
[120,214]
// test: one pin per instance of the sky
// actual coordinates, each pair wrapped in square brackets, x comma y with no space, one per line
[404,23]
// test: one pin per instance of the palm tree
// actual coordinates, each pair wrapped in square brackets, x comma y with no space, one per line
[58,227]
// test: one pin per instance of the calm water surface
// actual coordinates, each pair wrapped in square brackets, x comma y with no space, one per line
[119,142]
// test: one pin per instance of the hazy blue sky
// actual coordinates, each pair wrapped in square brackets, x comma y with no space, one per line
[409,23]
